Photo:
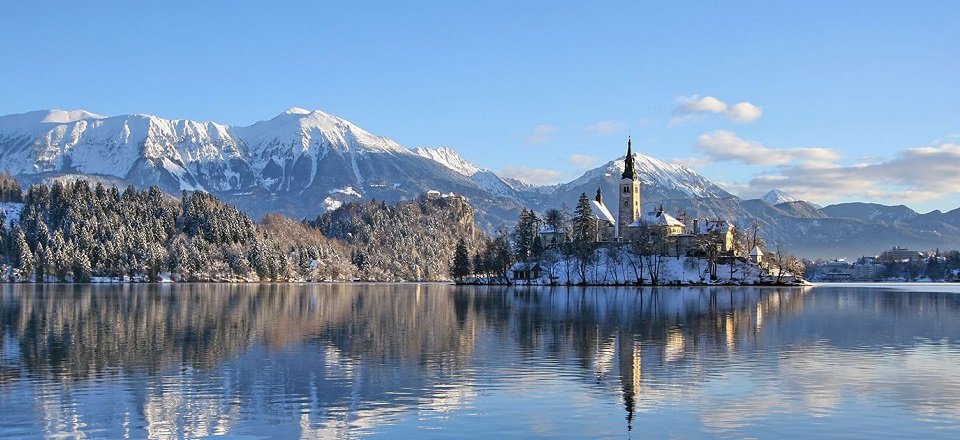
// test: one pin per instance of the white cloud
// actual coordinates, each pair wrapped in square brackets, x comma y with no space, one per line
[541,133]
[605,127]
[696,104]
[691,162]
[744,112]
[913,175]
[536,176]
[689,107]
[724,145]
[583,161]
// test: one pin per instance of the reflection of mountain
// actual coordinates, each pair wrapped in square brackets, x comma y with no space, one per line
[344,360]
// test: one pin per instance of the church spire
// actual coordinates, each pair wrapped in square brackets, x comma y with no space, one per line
[628,171]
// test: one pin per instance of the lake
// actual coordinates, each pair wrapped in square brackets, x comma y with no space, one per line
[439,361]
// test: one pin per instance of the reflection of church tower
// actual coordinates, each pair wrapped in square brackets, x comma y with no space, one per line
[629,194]
[630,373]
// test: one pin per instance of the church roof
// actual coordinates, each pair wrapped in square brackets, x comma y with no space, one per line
[756,252]
[628,168]
[601,212]
[658,218]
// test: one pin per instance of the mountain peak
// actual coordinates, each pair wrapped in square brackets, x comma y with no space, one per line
[297,111]
[51,116]
[58,116]
[776,196]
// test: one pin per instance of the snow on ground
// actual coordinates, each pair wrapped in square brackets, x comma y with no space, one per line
[611,267]
[331,204]
[347,190]
[13,212]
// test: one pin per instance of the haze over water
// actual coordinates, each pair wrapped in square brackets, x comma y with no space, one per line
[264,361]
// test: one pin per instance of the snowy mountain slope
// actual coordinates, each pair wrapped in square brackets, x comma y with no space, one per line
[484,178]
[302,162]
[448,157]
[142,148]
[872,212]
[660,181]
[776,196]
[299,162]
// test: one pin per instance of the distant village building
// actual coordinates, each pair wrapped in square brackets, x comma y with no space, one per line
[900,254]
[868,268]
[836,270]
[863,269]
[549,236]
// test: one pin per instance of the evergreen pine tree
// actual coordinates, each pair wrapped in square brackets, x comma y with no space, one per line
[461,261]
[584,225]
[82,273]
[24,257]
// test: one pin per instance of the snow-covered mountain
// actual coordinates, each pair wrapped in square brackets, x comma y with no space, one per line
[659,181]
[776,196]
[300,162]
[484,178]
[449,158]
[303,162]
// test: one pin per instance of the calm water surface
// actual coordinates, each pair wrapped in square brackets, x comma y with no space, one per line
[387,361]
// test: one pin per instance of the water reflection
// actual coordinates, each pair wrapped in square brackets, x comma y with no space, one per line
[346,361]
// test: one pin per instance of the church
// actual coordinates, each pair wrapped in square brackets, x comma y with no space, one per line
[674,236]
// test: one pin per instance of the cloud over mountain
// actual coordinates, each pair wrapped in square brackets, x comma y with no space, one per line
[534,176]
[689,107]
[722,145]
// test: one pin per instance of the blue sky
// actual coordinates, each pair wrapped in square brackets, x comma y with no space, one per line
[829,100]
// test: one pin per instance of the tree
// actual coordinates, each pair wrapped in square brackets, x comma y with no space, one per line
[461,261]
[478,266]
[708,246]
[785,264]
[584,236]
[584,223]
[525,233]
[497,255]
[557,221]
[754,236]
[82,273]
[22,253]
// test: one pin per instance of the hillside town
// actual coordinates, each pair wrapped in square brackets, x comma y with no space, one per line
[895,264]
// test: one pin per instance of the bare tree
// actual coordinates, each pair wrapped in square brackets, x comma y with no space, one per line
[785,264]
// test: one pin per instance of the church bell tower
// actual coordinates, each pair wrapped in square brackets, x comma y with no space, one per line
[629,203]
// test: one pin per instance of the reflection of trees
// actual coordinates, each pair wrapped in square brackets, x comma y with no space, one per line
[71,331]
[346,350]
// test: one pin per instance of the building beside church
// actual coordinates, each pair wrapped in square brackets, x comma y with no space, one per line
[606,225]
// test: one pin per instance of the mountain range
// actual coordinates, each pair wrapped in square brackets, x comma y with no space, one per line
[302,163]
